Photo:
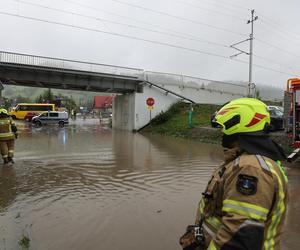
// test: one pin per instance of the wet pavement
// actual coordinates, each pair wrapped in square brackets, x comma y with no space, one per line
[87,187]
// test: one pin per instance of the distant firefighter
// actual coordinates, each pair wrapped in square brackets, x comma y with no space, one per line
[8,134]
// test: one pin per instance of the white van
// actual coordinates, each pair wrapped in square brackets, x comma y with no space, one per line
[52,117]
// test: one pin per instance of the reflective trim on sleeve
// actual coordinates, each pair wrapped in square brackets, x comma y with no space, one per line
[212,246]
[214,222]
[269,243]
[281,167]
[246,209]
[263,163]
[209,231]
[201,206]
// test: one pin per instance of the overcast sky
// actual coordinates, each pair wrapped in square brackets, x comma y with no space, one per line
[190,37]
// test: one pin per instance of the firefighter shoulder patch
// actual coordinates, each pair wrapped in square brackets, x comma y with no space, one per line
[246,184]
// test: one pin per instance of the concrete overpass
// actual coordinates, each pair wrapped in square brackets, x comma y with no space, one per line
[47,72]
[134,85]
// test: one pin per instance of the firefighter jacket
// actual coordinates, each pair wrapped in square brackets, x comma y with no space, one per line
[8,129]
[244,204]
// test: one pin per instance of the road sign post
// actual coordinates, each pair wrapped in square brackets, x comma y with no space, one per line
[150,105]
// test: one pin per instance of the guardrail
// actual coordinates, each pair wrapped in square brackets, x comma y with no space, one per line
[64,64]
[196,83]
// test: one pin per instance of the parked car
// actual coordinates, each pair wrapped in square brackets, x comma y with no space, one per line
[277,120]
[275,107]
[51,117]
[28,117]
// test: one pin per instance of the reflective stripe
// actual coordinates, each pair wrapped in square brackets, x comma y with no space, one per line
[214,222]
[262,163]
[244,208]
[282,169]
[236,162]
[10,151]
[6,134]
[209,231]
[269,243]
[212,246]
[252,223]
[201,206]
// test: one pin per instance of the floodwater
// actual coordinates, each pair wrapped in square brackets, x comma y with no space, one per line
[85,187]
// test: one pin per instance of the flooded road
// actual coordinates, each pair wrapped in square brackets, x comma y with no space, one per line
[84,187]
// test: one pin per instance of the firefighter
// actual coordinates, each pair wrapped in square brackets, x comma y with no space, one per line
[244,204]
[8,134]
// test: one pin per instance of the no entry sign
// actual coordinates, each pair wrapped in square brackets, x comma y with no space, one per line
[150,101]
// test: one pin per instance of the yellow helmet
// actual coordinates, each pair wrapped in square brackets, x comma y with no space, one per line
[3,111]
[243,115]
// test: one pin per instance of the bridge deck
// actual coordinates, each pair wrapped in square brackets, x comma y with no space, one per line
[36,71]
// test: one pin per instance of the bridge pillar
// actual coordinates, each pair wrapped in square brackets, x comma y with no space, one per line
[124,112]
[130,111]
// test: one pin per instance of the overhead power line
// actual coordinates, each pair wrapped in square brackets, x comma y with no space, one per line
[168,29]
[280,34]
[178,17]
[122,24]
[175,32]
[209,10]
[137,38]
[275,62]
[152,30]
[113,33]
[278,48]
[226,4]
[278,26]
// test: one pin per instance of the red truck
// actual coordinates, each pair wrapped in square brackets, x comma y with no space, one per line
[292,113]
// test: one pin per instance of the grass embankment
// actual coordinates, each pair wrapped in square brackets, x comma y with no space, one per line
[174,122]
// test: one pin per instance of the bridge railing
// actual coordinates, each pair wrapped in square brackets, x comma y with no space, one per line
[63,64]
[189,82]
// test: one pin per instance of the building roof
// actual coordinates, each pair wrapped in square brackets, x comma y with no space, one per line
[102,102]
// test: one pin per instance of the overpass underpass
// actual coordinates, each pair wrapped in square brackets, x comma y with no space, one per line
[46,72]
[135,85]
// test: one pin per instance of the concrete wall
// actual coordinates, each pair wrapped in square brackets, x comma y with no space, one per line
[162,103]
[130,111]
[124,112]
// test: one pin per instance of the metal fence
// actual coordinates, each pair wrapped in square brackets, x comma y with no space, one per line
[63,64]
[189,82]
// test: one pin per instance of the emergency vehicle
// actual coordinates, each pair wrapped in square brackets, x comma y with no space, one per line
[292,113]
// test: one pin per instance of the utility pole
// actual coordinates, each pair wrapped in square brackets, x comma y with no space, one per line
[250,53]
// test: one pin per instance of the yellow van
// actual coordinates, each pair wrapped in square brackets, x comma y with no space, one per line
[21,110]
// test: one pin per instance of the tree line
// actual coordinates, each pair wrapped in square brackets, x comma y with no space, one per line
[47,96]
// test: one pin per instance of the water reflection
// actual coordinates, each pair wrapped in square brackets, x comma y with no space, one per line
[8,186]
[85,187]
